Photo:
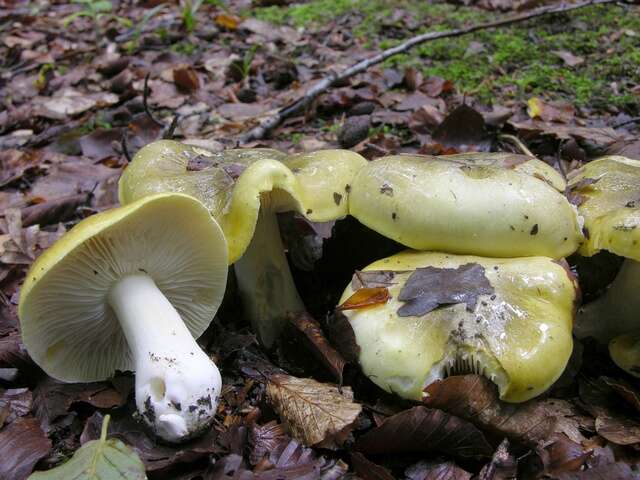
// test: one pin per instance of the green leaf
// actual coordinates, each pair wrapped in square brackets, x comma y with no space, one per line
[98,459]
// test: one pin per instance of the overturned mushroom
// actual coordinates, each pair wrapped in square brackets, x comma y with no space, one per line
[129,289]
[467,204]
[507,319]
[244,189]
[607,191]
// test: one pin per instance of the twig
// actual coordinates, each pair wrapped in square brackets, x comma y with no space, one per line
[518,143]
[268,124]
[626,122]
[125,149]
[145,96]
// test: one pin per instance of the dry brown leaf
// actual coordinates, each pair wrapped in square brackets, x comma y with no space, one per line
[227,21]
[315,413]
[475,399]
[548,112]
[365,297]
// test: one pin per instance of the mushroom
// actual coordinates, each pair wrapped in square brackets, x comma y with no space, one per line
[625,352]
[607,191]
[130,289]
[442,314]
[481,205]
[244,189]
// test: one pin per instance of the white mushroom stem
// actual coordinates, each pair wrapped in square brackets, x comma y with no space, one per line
[266,286]
[616,311]
[177,384]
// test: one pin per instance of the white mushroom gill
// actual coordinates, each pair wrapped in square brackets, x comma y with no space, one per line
[131,289]
[177,384]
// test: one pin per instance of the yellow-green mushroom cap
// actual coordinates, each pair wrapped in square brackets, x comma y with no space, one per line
[512,322]
[67,324]
[468,207]
[607,191]
[625,352]
[235,184]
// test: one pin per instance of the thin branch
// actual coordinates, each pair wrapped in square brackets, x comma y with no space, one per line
[518,143]
[627,122]
[145,96]
[268,124]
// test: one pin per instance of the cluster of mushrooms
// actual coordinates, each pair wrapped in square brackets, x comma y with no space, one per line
[484,289]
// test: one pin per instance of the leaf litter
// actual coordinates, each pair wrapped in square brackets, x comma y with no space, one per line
[70,103]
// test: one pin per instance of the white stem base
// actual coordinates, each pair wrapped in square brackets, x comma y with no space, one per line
[266,286]
[177,384]
[617,311]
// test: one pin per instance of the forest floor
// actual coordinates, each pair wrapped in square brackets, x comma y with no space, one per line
[72,78]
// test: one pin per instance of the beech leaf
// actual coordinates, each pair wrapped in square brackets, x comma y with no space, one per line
[314,413]
[430,287]
[474,398]
[422,429]
[365,297]
[98,459]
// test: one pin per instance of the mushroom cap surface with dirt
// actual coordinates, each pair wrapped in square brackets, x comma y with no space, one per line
[129,289]
[507,319]
[467,205]
[607,191]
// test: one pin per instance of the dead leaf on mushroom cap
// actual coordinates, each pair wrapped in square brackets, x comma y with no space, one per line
[315,413]
[365,297]
[430,287]
[373,279]
[427,430]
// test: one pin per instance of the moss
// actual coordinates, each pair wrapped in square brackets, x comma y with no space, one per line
[516,61]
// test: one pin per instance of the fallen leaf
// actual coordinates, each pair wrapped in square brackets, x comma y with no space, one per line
[548,112]
[569,59]
[367,470]
[53,211]
[626,148]
[52,399]
[434,86]
[157,458]
[463,129]
[425,430]
[98,459]
[503,465]
[436,471]
[625,390]
[70,102]
[318,344]
[227,21]
[186,79]
[562,455]
[612,422]
[613,471]
[430,287]
[365,297]
[416,101]
[354,130]
[241,111]
[314,413]
[98,144]
[22,445]
[343,337]
[475,399]
[263,440]
[18,402]
[601,136]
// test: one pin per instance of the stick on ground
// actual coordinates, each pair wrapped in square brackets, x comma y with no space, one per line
[269,123]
